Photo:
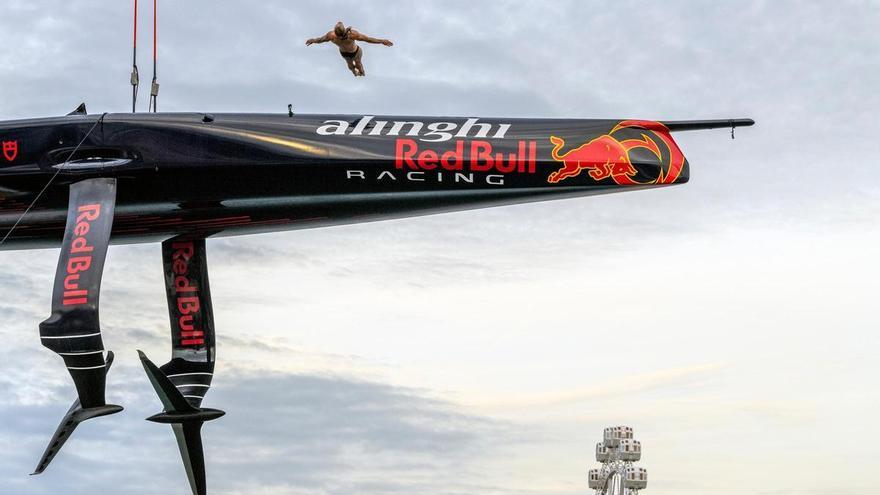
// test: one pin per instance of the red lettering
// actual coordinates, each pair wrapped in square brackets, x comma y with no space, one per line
[81,245]
[521,157]
[453,160]
[82,228]
[185,323]
[406,150]
[184,250]
[73,295]
[505,166]
[71,282]
[481,150]
[533,156]
[182,284]
[180,267]
[79,264]
[88,213]
[188,305]
[428,159]
[481,155]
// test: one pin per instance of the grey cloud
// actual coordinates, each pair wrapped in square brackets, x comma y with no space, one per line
[293,432]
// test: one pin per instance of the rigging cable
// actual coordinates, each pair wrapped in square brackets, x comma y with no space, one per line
[135,77]
[52,179]
[154,87]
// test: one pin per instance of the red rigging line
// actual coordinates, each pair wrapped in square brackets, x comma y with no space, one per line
[135,76]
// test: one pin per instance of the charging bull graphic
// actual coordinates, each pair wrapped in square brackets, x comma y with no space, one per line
[606,156]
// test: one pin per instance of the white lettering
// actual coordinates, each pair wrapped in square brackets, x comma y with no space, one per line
[430,177]
[502,131]
[386,174]
[460,177]
[361,125]
[377,129]
[495,180]
[333,128]
[441,131]
[432,132]
[470,124]
[414,130]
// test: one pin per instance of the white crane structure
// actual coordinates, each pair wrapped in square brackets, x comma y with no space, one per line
[617,453]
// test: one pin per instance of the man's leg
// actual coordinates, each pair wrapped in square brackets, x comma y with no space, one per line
[351,65]
[358,64]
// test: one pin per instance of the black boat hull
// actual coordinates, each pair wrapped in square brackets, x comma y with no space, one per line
[235,174]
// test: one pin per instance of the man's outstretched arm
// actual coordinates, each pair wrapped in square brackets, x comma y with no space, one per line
[322,39]
[369,39]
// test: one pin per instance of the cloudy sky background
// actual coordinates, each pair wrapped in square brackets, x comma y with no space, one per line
[731,321]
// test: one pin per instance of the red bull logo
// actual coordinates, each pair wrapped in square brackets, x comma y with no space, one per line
[186,291]
[80,256]
[609,157]
[477,156]
[10,150]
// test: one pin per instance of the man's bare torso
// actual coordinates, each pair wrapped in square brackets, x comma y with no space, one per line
[347,44]
[346,39]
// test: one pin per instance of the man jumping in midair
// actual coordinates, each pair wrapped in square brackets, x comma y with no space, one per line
[345,38]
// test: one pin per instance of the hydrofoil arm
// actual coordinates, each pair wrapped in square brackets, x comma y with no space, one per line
[73,330]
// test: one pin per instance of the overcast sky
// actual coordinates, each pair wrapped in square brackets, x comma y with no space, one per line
[731,321]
